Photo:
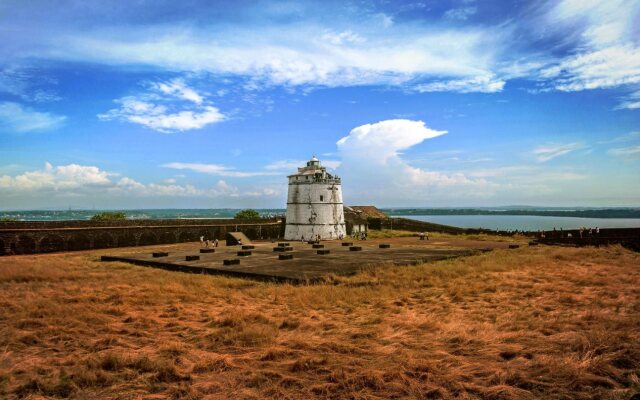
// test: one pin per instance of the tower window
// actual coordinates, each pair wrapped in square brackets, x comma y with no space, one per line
[321,198]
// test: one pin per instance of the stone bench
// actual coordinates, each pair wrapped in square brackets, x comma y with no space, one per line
[323,251]
[248,247]
[160,254]
[244,253]
[192,258]
[282,248]
[233,261]
[355,248]
[285,256]
[384,246]
[345,244]
[207,250]
[318,246]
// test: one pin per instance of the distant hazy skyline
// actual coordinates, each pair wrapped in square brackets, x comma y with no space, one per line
[152,104]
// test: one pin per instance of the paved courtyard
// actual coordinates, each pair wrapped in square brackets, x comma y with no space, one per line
[305,264]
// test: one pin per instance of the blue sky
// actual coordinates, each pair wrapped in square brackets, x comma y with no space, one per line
[150,104]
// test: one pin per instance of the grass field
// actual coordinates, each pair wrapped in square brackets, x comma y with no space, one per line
[535,322]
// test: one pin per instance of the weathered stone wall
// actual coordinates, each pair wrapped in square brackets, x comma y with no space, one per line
[628,237]
[45,237]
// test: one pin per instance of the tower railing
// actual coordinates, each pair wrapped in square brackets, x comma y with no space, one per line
[335,181]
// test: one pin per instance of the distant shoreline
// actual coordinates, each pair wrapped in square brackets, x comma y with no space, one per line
[223,213]
[590,213]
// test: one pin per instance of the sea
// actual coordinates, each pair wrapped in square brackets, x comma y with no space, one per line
[180,213]
[525,222]
[495,222]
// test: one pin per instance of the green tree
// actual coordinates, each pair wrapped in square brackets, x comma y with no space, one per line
[247,214]
[109,216]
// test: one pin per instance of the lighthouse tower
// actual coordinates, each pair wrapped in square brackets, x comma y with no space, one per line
[314,204]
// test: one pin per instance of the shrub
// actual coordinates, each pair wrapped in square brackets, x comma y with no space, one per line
[109,216]
[247,214]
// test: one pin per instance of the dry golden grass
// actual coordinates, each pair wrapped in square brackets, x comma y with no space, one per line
[537,322]
[386,234]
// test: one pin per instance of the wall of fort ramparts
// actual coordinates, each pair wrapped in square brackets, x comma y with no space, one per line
[46,237]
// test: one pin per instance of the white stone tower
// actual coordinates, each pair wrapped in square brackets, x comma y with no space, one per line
[314,204]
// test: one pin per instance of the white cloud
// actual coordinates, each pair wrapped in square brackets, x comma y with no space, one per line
[26,84]
[548,152]
[631,136]
[603,68]
[60,178]
[630,102]
[286,166]
[331,164]
[628,153]
[376,51]
[372,165]
[178,88]
[341,38]
[15,118]
[81,181]
[383,140]
[526,173]
[157,109]
[480,84]
[216,169]
[461,14]
[607,55]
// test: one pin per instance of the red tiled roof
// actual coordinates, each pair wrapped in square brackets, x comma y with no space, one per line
[369,211]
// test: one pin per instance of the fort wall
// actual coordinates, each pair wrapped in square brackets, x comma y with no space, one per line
[54,236]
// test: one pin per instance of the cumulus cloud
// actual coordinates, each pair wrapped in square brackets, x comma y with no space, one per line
[16,118]
[162,108]
[383,140]
[216,169]
[373,166]
[548,152]
[64,177]
[82,181]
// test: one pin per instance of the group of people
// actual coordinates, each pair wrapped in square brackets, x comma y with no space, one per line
[354,235]
[591,232]
[314,238]
[208,243]
[359,235]
[583,232]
